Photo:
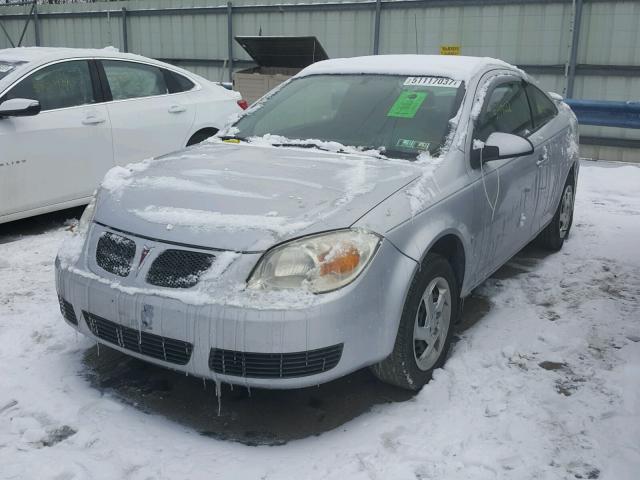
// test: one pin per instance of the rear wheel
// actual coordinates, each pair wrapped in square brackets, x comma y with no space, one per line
[554,235]
[426,326]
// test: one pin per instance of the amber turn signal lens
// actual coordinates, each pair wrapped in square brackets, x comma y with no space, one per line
[345,262]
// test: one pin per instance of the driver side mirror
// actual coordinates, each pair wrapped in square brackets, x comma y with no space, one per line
[499,146]
[19,107]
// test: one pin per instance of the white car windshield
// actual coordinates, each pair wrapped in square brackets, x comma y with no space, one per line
[401,116]
[7,67]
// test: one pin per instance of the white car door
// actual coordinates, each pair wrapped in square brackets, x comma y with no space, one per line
[60,154]
[147,119]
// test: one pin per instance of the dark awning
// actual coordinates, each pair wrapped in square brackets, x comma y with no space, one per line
[296,52]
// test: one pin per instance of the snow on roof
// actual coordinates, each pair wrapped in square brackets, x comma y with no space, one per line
[455,67]
[48,54]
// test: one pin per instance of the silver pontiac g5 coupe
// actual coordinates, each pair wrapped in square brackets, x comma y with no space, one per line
[336,225]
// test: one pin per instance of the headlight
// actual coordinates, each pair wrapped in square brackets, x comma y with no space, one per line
[87,217]
[321,263]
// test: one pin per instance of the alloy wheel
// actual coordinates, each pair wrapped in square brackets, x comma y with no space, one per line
[566,211]
[432,323]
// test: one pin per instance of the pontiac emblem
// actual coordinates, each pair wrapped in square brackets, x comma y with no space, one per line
[145,251]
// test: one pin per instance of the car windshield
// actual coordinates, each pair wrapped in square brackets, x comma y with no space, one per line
[401,116]
[7,67]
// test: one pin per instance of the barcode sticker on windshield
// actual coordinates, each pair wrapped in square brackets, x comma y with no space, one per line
[432,82]
[5,67]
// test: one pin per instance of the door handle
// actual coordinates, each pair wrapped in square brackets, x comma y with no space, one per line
[92,120]
[177,109]
[541,160]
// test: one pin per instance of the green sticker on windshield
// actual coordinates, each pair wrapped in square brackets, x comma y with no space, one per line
[412,144]
[407,104]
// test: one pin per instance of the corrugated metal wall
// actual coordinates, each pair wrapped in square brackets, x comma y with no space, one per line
[535,34]
[610,36]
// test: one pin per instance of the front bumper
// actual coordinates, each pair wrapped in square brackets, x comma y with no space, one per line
[336,334]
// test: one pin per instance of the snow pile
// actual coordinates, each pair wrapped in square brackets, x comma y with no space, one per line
[118,177]
[355,181]
[478,101]
[543,386]
[71,249]
[425,188]
[572,148]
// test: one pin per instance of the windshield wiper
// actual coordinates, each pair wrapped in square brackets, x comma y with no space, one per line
[356,150]
[362,150]
[305,145]
[232,137]
[391,153]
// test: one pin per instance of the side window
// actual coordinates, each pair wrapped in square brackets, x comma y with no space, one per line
[506,110]
[134,80]
[61,85]
[542,107]
[177,83]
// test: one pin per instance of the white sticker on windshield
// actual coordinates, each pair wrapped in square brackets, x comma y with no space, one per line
[432,82]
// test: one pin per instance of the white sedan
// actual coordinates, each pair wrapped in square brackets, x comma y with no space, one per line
[69,115]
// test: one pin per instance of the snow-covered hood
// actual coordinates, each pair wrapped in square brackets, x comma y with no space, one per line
[246,198]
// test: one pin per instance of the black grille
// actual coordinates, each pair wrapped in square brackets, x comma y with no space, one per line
[167,349]
[67,311]
[178,268]
[274,365]
[115,253]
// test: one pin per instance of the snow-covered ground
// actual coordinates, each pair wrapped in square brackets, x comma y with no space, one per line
[546,385]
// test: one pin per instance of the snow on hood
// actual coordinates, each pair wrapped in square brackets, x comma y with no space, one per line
[245,197]
[455,67]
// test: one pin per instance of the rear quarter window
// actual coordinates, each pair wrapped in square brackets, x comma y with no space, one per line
[134,80]
[177,83]
[542,108]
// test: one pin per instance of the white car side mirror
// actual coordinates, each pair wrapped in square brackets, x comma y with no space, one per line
[19,107]
[500,146]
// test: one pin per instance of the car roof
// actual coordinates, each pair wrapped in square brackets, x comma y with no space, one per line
[33,57]
[451,66]
[51,54]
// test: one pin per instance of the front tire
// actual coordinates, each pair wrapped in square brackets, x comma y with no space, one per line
[426,327]
[554,234]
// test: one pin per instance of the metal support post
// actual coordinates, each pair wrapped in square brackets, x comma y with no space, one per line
[230,39]
[125,31]
[575,42]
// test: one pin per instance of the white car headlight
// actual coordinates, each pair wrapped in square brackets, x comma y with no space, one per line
[87,217]
[321,263]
